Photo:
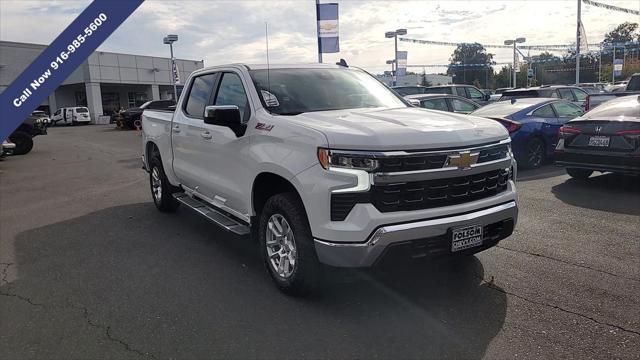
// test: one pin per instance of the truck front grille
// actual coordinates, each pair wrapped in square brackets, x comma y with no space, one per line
[418,195]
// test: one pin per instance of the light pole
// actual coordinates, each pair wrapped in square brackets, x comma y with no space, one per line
[170,39]
[519,40]
[394,34]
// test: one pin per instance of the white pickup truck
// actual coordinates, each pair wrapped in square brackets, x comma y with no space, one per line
[323,164]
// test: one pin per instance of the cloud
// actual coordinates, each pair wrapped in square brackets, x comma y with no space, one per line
[234,31]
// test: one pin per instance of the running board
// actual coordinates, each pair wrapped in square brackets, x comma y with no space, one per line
[213,215]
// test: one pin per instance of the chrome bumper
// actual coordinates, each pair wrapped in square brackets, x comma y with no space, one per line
[365,254]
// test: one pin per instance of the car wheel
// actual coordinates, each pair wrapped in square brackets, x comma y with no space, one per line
[535,153]
[287,245]
[23,141]
[581,174]
[161,190]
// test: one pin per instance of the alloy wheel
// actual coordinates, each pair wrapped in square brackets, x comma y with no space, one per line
[156,185]
[281,246]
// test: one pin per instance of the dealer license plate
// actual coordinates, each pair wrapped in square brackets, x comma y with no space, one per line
[599,141]
[466,237]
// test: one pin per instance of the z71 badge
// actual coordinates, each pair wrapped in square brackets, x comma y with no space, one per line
[263,126]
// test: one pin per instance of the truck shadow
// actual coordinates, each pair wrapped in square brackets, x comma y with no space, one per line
[177,286]
[607,192]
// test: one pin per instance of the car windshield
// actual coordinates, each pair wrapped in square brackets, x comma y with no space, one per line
[500,109]
[295,91]
[82,110]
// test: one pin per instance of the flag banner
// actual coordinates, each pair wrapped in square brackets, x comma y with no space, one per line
[176,73]
[328,34]
[401,67]
[584,45]
[611,7]
[65,54]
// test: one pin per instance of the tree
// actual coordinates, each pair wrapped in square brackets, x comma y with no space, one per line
[624,32]
[469,63]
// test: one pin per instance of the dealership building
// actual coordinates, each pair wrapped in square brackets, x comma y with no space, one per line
[105,83]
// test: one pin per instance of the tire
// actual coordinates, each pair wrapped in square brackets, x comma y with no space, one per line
[304,276]
[535,153]
[23,141]
[581,174]
[161,189]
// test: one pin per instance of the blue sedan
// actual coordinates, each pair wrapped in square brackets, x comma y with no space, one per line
[533,125]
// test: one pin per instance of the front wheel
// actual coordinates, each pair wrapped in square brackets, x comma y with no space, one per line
[287,245]
[23,141]
[580,174]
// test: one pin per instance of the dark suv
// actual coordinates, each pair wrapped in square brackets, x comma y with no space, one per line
[573,94]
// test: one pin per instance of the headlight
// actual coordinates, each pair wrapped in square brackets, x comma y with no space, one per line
[346,160]
[38,121]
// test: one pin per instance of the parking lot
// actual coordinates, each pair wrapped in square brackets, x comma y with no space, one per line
[90,269]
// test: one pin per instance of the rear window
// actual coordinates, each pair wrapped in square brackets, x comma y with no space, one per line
[519,94]
[82,110]
[628,106]
[500,109]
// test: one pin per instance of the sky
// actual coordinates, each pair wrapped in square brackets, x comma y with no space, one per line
[220,32]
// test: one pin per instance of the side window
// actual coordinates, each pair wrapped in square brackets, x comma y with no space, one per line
[199,95]
[57,112]
[461,106]
[435,104]
[567,110]
[475,94]
[544,112]
[566,94]
[460,91]
[231,92]
[580,94]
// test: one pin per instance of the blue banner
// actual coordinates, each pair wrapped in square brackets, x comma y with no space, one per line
[328,34]
[73,46]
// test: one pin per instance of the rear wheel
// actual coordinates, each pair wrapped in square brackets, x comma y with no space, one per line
[581,174]
[287,245]
[535,153]
[23,141]
[161,190]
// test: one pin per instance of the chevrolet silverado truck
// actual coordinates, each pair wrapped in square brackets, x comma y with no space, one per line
[324,165]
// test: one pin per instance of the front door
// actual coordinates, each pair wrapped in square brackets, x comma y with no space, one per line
[229,180]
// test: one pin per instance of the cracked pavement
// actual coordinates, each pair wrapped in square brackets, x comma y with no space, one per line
[89,269]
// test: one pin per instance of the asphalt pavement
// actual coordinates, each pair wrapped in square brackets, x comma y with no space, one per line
[90,269]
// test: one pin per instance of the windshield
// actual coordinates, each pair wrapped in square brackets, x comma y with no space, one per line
[297,91]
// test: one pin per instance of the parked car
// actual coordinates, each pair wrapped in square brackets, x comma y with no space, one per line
[631,87]
[34,125]
[71,115]
[443,102]
[127,118]
[323,164]
[605,139]
[533,125]
[573,94]
[7,148]
[409,89]
[466,91]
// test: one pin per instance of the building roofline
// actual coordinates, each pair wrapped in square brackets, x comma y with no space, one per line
[42,47]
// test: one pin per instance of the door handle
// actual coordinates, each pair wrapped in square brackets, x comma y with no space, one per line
[176,129]
[206,135]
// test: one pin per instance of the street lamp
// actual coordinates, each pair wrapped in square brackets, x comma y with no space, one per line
[169,40]
[519,40]
[394,35]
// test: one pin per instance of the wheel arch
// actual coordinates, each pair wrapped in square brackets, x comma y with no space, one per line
[267,184]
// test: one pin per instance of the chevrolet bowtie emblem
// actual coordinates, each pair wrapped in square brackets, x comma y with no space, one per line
[463,160]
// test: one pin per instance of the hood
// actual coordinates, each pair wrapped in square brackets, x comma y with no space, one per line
[401,129]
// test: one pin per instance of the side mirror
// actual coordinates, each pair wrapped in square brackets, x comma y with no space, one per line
[225,115]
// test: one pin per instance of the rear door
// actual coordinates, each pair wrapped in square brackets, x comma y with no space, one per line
[549,125]
[188,134]
[229,175]
[435,104]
